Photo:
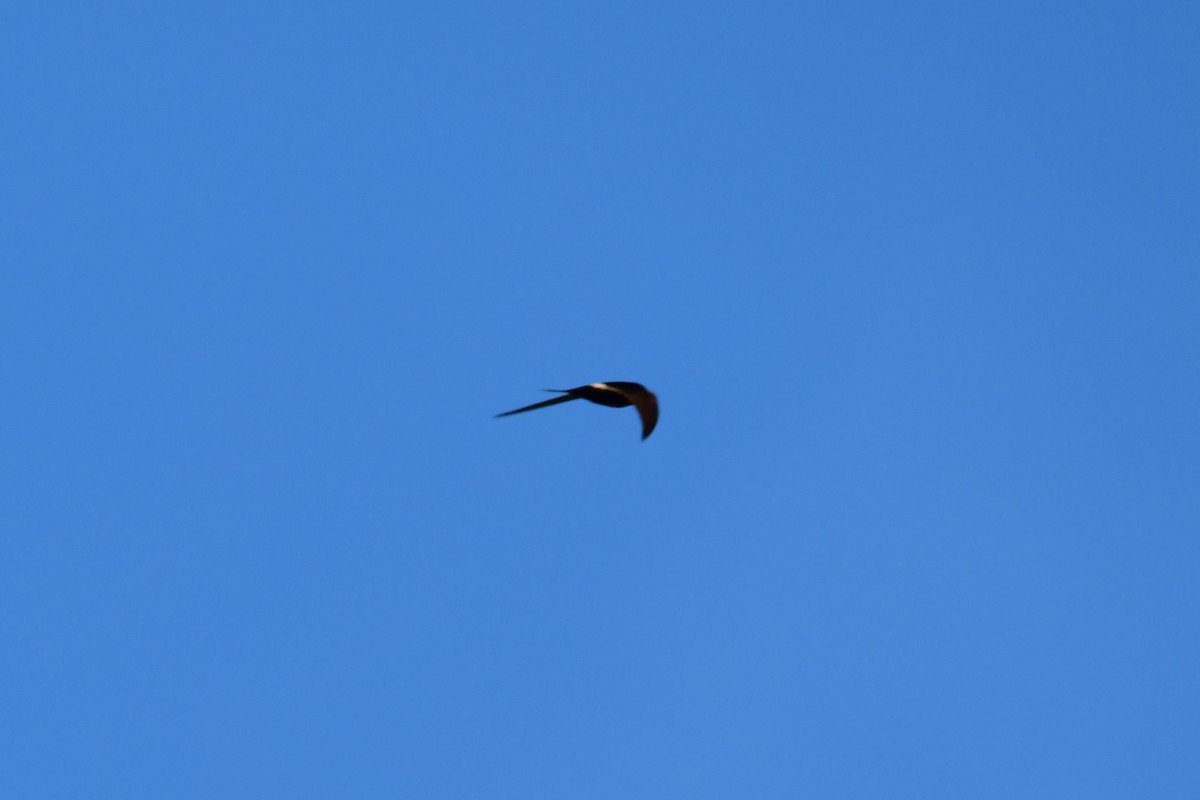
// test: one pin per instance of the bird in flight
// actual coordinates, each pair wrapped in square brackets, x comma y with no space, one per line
[614,394]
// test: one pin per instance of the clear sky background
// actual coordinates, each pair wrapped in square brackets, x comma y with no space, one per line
[918,287]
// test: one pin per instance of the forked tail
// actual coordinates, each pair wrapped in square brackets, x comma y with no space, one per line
[552,402]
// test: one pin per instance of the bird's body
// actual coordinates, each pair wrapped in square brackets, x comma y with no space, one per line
[614,394]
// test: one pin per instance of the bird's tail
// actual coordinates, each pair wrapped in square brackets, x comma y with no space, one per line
[551,402]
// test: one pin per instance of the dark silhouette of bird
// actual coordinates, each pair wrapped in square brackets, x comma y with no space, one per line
[614,394]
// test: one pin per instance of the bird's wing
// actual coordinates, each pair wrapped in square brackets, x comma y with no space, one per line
[646,404]
[552,402]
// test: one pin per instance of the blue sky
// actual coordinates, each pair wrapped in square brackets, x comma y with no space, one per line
[917,286]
